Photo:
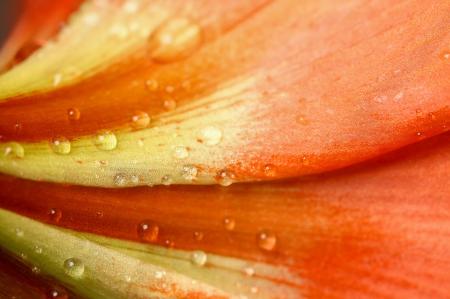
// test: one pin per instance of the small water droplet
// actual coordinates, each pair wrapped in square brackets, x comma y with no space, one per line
[180,152]
[57,294]
[74,267]
[254,290]
[399,96]
[23,256]
[160,274]
[229,223]
[120,180]
[127,278]
[19,232]
[199,258]
[267,240]
[106,141]
[174,39]
[38,249]
[210,135]
[35,270]
[249,271]
[134,179]
[302,120]
[198,236]
[445,55]
[170,104]
[170,89]
[148,231]
[73,114]
[57,79]
[152,85]
[55,215]
[140,120]
[270,170]
[166,180]
[225,177]
[60,145]
[189,172]
[14,150]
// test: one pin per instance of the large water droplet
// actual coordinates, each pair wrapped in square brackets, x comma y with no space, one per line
[14,150]
[229,223]
[60,145]
[74,267]
[105,141]
[55,215]
[148,231]
[73,114]
[210,135]
[140,120]
[174,39]
[180,152]
[267,240]
[199,258]
[189,172]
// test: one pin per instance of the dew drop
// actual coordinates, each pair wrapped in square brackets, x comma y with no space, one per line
[14,150]
[267,240]
[74,267]
[60,145]
[38,249]
[105,141]
[57,294]
[73,114]
[166,180]
[140,120]
[199,258]
[55,215]
[170,89]
[152,85]
[148,231]
[445,55]
[180,152]
[249,271]
[210,135]
[170,104]
[229,223]
[134,179]
[302,120]
[189,172]
[270,170]
[254,290]
[225,177]
[35,270]
[174,39]
[120,180]
[19,232]
[198,236]
[160,274]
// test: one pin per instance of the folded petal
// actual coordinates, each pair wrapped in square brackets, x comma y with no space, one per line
[250,92]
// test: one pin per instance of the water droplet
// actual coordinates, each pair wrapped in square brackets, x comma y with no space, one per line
[267,240]
[166,180]
[399,96]
[249,271]
[134,179]
[140,120]
[14,150]
[57,79]
[148,231]
[199,258]
[210,135]
[174,39]
[160,274]
[57,294]
[254,290]
[225,177]
[180,152]
[445,55]
[55,215]
[73,114]
[229,223]
[152,84]
[106,141]
[19,232]
[170,104]
[198,236]
[35,270]
[302,120]
[170,89]
[120,180]
[270,170]
[189,172]
[74,267]
[38,249]
[60,145]
[23,256]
